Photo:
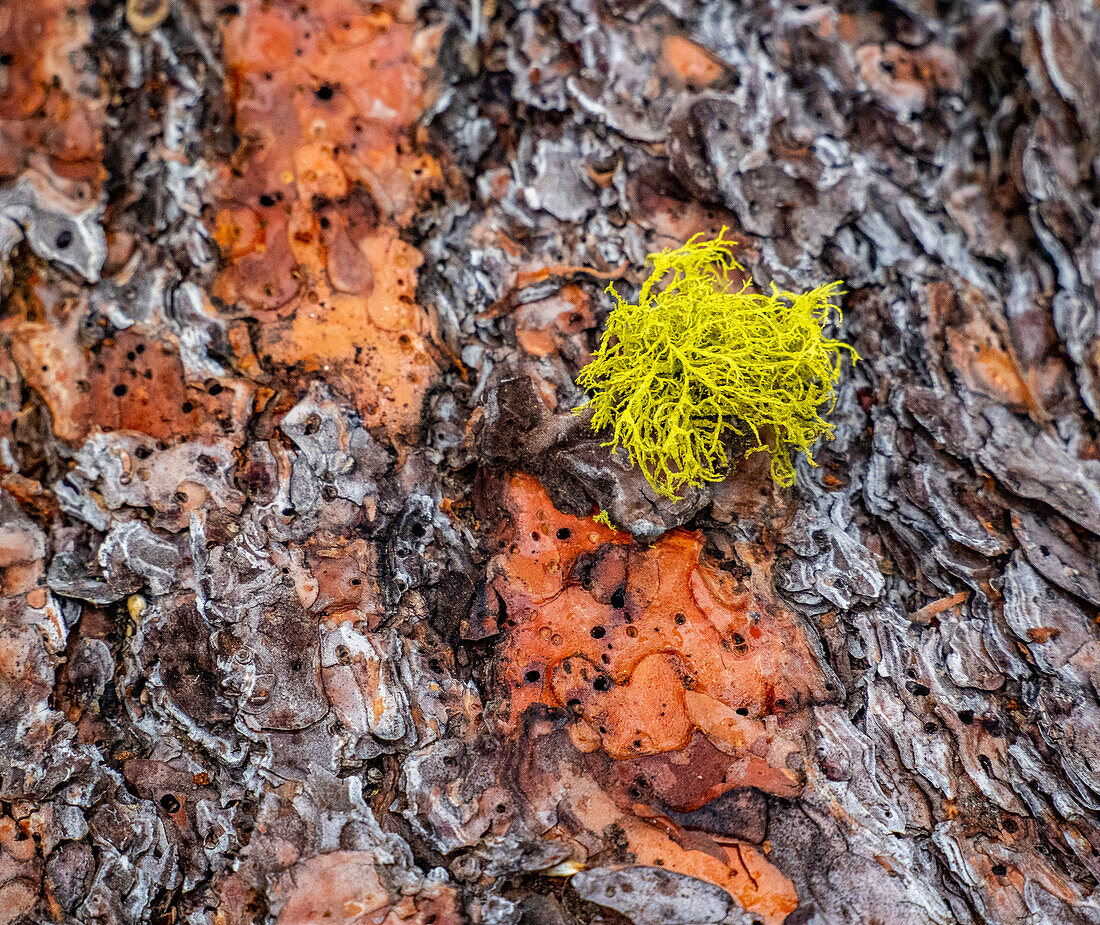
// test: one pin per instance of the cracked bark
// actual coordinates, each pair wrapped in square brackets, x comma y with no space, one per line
[303,614]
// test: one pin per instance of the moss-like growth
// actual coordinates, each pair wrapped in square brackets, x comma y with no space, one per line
[697,361]
[604,518]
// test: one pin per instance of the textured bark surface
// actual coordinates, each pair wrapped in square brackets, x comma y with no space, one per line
[304,618]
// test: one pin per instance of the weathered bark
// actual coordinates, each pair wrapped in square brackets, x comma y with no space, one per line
[304,618]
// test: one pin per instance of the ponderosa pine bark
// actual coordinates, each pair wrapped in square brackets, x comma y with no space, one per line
[304,615]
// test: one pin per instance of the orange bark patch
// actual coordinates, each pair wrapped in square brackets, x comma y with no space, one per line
[139,384]
[44,323]
[20,873]
[645,646]
[124,382]
[560,792]
[543,326]
[673,221]
[45,107]
[905,80]
[985,367]
[344,888]
[312,206]
[692,64]
[347,580]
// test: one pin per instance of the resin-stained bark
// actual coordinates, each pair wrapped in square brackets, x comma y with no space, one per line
[304,615]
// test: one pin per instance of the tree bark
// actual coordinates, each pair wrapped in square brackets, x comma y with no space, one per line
[304,614]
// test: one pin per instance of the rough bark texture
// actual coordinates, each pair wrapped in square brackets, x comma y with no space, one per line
[304,618]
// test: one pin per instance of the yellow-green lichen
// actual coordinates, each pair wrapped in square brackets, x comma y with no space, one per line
[604,518]
[700,359]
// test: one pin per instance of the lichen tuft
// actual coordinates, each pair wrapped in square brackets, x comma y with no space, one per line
[698,361]
[605,519]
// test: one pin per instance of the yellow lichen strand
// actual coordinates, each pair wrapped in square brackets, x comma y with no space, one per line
[699,360]
[604,518]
